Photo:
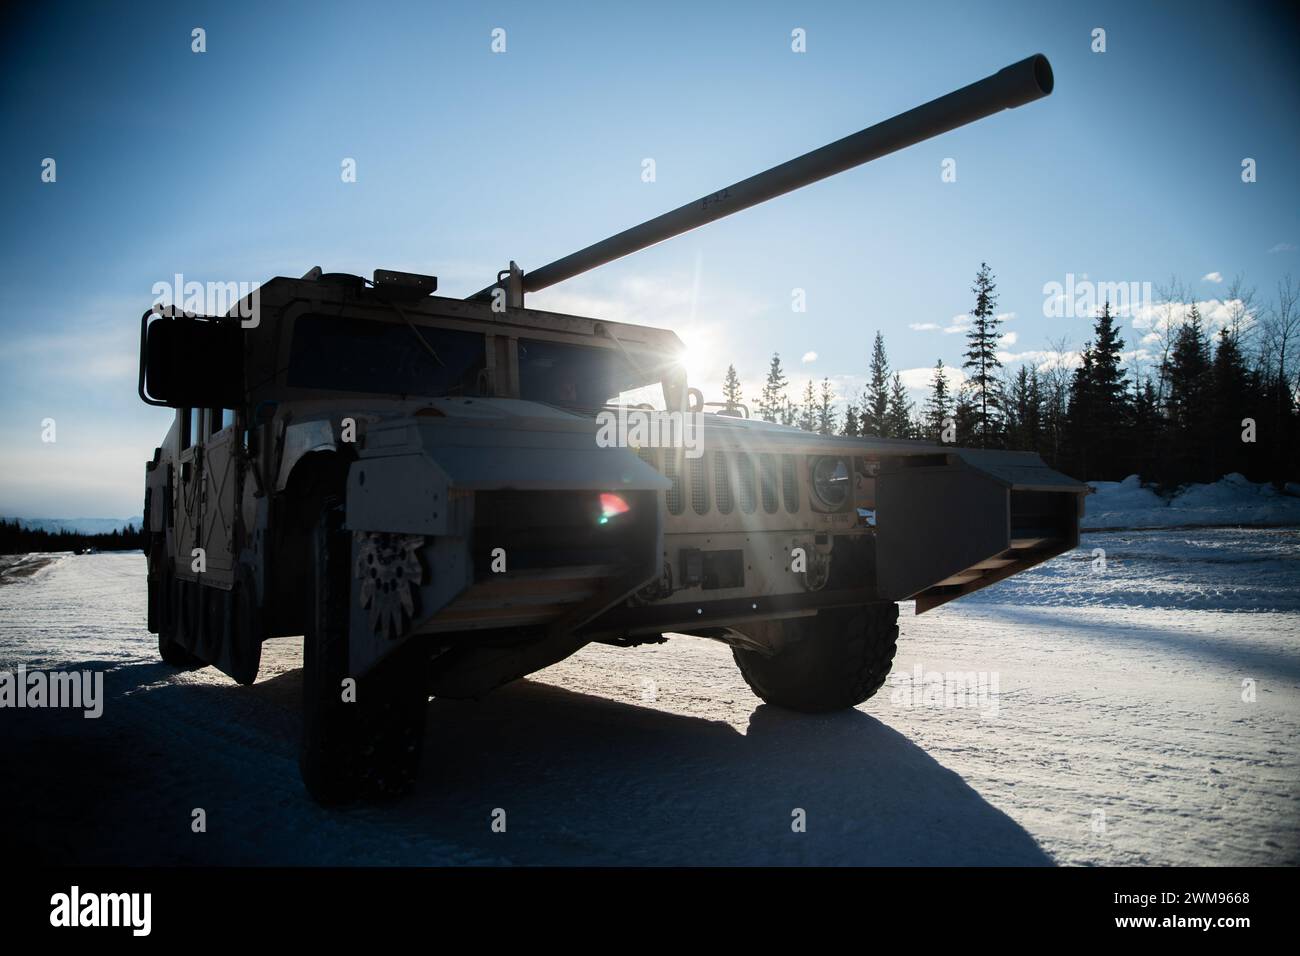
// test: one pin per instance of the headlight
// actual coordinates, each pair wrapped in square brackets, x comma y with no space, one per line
[830,483]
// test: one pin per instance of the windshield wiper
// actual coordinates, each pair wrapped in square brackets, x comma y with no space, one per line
[409,324]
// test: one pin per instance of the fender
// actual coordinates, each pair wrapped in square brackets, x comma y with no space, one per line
[410,505]
[300,439]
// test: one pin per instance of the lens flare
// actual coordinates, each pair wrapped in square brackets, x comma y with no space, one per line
[611,505]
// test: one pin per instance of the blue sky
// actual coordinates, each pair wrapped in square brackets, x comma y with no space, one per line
[225,166]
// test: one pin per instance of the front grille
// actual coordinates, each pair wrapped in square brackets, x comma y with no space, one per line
[745,483]
[672,471]
[726,481]
[767,481]
[790,483]
[699,486]
[722,483]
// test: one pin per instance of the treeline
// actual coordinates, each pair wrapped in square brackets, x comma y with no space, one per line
[1199,404]
[15,539]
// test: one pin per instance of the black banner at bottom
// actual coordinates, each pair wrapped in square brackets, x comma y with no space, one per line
[220,904]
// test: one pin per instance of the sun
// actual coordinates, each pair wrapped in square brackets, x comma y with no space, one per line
[704,360]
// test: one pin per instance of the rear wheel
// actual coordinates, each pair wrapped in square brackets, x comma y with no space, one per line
[831,661]
[169,595]
[361,741]
[177,656]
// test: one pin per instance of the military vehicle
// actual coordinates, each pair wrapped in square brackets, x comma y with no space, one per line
[417,484]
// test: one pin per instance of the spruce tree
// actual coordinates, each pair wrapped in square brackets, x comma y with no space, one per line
[731,389]
[808,409]
[826,410]
[1017,427]
[1037,411]
[875,404]
[1109,385]
[1055,378]
[1145,427]
[1229,404]
[789,413]
[1098,421]
[1109,424]
[852,420]
[1188,382]
[982,360]
[965,413]
[898,417]
[1079,416]
[771,403]
[938,408]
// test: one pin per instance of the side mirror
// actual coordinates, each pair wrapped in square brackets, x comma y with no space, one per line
[191,362]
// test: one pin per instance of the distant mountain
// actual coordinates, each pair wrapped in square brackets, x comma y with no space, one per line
[79,525]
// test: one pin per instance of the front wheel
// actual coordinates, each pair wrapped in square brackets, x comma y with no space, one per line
[831,661]
[360,738]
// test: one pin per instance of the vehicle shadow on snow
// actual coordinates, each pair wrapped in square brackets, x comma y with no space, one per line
[587,780]
[582,780]
[120,789]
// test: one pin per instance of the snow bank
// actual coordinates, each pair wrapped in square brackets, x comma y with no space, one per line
[1231,501]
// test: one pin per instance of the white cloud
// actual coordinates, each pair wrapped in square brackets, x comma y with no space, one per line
[1154,320]
[1284,247]
[1212,277]
[958,323]
[1007,338]
[1042,359]
[809,357]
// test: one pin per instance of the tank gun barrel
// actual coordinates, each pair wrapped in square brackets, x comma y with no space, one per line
[1012,86]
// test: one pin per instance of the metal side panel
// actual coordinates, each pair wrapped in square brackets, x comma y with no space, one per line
[934,522]
[187,499]
[407,494]
[546,469]
[220,477]
[556,454]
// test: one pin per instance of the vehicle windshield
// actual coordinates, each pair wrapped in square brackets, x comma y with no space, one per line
[340,353]
[362,355]
[586,378]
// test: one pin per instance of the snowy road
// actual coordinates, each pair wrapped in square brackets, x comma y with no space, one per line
[1105,724]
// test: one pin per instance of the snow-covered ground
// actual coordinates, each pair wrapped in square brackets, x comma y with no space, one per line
[1109,719]
[1232,500]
